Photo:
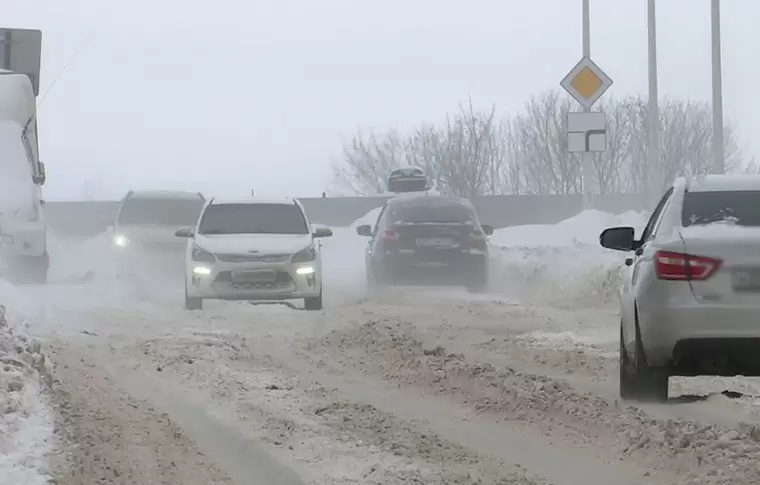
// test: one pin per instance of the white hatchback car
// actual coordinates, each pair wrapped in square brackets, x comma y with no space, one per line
[254,250]
[690,303]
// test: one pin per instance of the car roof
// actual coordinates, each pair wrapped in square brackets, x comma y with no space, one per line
[256,200]
[411,198]
[164,194]
[722,183]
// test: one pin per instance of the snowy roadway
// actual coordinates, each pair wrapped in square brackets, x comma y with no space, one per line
[412,386]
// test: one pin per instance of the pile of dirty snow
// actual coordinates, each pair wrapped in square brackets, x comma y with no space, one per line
[26,423]
[561,264]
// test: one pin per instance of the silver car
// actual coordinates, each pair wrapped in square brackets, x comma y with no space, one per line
[690,302]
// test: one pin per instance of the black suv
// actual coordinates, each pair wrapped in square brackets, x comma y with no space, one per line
[427,239]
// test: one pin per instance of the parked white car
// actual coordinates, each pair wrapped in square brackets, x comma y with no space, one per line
[690,304]
[254,250]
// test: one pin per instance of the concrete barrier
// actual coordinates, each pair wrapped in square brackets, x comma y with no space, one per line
[86,219]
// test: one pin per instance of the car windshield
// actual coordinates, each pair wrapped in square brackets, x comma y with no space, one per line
[739,207]
[160,212]
[253,219]
[449,211]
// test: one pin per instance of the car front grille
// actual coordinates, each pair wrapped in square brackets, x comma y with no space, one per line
[253,258]
[282,281]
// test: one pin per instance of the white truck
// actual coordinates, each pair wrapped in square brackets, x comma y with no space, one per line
[23,231]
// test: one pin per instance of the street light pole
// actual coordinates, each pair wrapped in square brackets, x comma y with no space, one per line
[653,145]
[587,161]
[717,93]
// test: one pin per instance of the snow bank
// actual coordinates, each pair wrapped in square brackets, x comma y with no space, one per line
[343,258]
[561,264]
[26,422]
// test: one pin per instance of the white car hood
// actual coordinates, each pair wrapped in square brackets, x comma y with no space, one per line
[254,243]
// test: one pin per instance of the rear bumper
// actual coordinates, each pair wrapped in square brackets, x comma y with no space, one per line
[443,267]
[675,336]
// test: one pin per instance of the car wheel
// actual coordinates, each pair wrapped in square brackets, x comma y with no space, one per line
[193,303]
[314,303]
[374,284]
[626,383]
[649,384]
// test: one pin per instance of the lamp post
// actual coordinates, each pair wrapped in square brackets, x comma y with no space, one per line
[718,165]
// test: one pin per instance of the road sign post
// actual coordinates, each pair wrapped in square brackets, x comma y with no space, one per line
[587,130]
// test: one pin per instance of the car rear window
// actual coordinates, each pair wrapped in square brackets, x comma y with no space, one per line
[432,211]
[739,207]
[253,219]
[160,212]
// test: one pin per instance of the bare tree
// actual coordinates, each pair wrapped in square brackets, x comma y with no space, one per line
[476,153]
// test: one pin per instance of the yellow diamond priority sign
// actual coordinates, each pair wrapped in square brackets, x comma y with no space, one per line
[586,82]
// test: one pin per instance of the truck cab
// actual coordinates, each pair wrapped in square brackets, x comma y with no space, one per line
[23,231]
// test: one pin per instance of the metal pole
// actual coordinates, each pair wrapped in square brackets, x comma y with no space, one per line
[653,146]
[587,161]
[717,92]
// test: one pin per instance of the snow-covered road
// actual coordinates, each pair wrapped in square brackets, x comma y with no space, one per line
[411,386]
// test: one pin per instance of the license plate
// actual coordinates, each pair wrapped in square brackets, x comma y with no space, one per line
[747,280]
[435,242]
[254,277]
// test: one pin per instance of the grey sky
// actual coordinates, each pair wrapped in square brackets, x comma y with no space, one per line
[230,95]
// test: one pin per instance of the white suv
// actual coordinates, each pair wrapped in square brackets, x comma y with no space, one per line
[253,250]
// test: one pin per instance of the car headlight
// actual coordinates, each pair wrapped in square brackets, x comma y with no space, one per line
[304,256]
[201,255]
[120,240]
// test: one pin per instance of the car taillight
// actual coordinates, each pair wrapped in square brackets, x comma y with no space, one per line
[389,235]
[478,239]
[684,267]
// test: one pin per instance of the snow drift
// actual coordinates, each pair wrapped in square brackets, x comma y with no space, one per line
[26,423]
[561,264]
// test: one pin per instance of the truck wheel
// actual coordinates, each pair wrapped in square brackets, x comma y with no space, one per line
[29,269]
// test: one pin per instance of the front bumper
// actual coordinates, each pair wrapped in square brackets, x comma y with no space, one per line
[137,261]
[252,281]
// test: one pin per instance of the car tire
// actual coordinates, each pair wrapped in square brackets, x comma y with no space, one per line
[193,303]
[374,284]
[628,389]
[313,304]
[479,285]
[645,383]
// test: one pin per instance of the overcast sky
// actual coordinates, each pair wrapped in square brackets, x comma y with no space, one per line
[232,95]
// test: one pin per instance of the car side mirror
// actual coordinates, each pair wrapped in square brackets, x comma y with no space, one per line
[487,230]
[617,238]
[364,230]
[186,232]
[322,232]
